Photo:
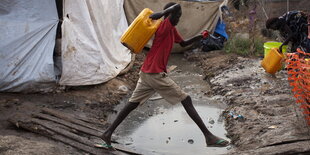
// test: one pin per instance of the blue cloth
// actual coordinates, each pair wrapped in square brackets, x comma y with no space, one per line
[221,29]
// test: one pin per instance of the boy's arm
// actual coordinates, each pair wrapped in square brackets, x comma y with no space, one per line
[191,40]
[167,11]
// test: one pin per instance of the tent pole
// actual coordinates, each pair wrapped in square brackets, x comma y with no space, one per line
[263,8]
[287,5]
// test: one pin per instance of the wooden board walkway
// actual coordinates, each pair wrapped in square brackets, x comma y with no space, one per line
[72,130]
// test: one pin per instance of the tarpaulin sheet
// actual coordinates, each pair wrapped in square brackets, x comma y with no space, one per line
[91,50]
[27,40]
[196,16]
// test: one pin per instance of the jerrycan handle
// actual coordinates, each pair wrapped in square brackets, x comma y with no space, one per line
[149,22]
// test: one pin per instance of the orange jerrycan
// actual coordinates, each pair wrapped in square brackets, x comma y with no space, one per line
[140,31]
[272,62]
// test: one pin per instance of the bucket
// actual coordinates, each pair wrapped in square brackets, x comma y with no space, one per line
[272,44]
[272,62]
[140,31]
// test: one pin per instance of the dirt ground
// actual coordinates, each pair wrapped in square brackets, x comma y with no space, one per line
[95,102]
[271,122]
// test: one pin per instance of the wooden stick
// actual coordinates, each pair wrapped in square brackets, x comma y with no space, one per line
[70,125]
[59,132]
[53,127]
[26,123]
[80,146]
[92,122]
[69,118]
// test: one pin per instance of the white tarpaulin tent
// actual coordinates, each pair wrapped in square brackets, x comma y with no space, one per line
[27,40]
[91,51]
[196,16]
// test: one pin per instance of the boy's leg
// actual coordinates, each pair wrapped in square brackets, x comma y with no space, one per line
[172,93]
[106,136]
[141,93]
[211,140]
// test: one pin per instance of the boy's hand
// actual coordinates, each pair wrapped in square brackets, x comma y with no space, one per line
[175,7]
[205,34]
[155,16]
[167,11]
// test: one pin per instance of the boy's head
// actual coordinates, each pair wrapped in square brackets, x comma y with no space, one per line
[175,15]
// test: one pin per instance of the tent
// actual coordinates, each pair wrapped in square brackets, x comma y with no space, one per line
[196,16]
[90,49]
[26,44]
[91,52]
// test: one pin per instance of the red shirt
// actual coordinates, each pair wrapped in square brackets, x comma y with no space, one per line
[157,58]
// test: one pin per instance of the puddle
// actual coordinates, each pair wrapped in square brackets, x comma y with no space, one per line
[157,127]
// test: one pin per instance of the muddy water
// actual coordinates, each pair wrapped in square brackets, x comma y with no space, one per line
[157,127]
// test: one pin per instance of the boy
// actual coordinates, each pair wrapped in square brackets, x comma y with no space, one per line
[153,76]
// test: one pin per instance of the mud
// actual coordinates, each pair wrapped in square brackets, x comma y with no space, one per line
[95,102]
[157,127]
[272,123]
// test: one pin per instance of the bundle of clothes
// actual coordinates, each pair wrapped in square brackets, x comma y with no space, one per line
[216,40]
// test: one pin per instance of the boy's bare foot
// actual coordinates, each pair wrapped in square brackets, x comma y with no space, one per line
[217,142]
[106,138]
[107,142]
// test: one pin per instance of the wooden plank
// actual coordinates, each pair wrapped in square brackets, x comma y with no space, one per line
[58,132]
[25,122]
[69,118]
[125,150]
[54,127]
[92,122]
[80,146]
[70,125]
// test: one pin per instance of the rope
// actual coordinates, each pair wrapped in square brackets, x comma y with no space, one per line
[225,2]
[287,5]
[263,8]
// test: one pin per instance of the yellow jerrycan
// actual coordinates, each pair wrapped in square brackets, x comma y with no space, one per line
[140,31]
[272,62]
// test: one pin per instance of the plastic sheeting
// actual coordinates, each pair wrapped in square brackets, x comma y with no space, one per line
[91,50]
[27,40]
[196,16]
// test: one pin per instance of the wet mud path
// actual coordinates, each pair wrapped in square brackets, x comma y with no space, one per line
[157,127]
[272,122]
